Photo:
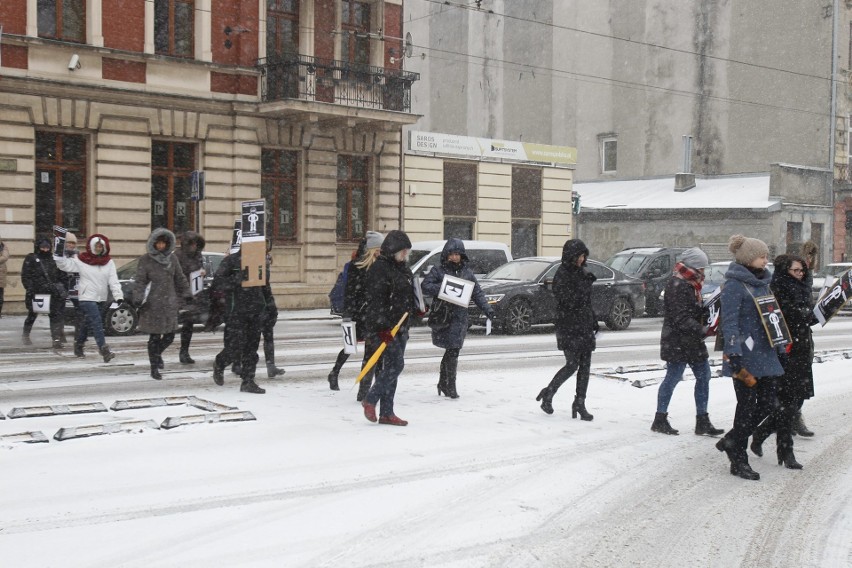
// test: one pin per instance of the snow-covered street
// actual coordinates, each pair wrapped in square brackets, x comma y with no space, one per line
[485,480]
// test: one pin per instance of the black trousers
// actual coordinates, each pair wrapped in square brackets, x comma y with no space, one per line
[157,343]
[56,315]
[753,405]
[242,338]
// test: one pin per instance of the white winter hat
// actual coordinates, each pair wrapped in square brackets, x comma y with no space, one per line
[694,258]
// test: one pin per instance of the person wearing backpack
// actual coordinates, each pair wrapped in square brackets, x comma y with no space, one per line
[354,302]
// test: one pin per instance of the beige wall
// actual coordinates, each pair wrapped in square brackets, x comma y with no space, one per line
[423,202]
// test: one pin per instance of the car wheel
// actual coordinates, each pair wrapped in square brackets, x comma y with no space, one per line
[518,317]
[121,320]
[620,315]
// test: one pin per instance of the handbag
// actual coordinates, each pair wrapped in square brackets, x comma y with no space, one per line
[440,315]
[41,303]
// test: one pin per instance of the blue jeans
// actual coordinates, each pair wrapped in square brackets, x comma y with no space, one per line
[388,370]
[674,373]
[92,320]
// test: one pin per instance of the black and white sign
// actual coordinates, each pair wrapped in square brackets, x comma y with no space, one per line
[59,240]
[236,238]
[773,320]
[253,221]
[456,290]
[834,298]
[41,304]
[197,179]
[713,305]
[350,342]
[196,281]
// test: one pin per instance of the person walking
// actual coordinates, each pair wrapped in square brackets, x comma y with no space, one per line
[449,322]
[797,383]
[73,284]
[354,304]
[159,288]
[810,254]
[97,279]
[39,275]
[389,289]
[747,347]
[4,258]
[191,258]
[682,342]
[576,327]
[246,310]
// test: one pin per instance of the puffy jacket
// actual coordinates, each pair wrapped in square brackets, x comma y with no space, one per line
[96,280]
[389,287]
[39,273]
[794,297]
[682,337]
[576,324]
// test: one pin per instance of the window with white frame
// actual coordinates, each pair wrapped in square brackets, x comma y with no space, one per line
[609,154]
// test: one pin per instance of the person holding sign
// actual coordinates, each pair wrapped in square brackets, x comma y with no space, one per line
[747,345]
[97,279]
[43,283]
[4,258]
[682,342]
[449,322]
[389,290]
[789,283]
[192,265]
[158,312]
[576,327]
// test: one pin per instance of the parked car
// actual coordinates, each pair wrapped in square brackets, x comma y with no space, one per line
[714,276]
[483,256]
[521,295]
[652,265]
[122,320]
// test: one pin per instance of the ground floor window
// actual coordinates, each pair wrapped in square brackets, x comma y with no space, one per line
[172,164]
[279,187]
[60,197]
[524,239]
[458,228]
[352,186]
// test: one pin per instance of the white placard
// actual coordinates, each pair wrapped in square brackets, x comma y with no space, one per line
[418,294]
[456,290]
[488,326]
[41,304]
[350,342]
[196,281]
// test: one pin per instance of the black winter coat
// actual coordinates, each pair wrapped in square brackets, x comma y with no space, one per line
[39,273]
[682,338]
[576,324]
[354,298]
[452,336]
[253,303]
[389,287]
[794,297]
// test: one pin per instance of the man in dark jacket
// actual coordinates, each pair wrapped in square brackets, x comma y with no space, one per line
[682,342]
[191,260]
[245,312]
[389,289]
[39,275]
[576,326]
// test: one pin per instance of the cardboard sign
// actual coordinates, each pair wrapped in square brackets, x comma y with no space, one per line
[713,305]
[196,281]
[773,320]
[41,304]
[350,342]
[418,294]
[59,240]
[236,238]
[253,243]
[456,290]
[833,298]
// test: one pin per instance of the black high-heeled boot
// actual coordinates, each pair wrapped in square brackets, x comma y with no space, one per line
[442,380]
[579,407]
[743,470]
[546,398]
[786,457]
[452,367]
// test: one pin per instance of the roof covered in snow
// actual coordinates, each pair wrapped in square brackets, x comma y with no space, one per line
[726,192]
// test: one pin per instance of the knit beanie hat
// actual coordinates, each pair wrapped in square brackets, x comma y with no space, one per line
[694,258]
[745,249]
[374,239]
[70,238]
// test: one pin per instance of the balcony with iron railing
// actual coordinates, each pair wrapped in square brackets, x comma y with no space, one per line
[843,174]
[307,78]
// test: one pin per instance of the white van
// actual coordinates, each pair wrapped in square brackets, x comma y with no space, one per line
[483,256]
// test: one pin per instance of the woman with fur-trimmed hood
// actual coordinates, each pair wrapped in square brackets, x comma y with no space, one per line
[158,313]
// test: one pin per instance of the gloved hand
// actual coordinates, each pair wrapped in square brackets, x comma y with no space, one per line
[735,362]
[421,314]
[385,335]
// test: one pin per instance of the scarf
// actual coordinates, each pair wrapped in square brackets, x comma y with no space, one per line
[89,257]
[694,277]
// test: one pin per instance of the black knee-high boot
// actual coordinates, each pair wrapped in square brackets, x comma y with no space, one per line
[335,371]
[451,358]
[185,339]
[154,355]
[579,405]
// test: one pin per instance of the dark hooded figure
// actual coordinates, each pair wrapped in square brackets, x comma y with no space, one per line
[450,328]
[246,311]
[39,275]
[389,289]
[576,326]
[789,284]
[160,289]
[191,260]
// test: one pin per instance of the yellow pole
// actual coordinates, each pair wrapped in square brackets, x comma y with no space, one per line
[381,349]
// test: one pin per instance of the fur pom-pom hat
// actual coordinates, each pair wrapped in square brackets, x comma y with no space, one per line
[746,250]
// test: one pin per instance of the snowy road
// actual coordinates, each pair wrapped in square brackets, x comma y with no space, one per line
[485,480]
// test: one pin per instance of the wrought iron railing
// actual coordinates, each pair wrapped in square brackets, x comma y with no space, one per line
[295,76]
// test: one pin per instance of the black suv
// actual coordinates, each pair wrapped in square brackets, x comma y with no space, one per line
[652,265]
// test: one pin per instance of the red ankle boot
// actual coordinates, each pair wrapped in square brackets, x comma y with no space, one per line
[369,411]
[393,420]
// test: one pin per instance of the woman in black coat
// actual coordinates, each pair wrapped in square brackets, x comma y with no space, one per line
[789,284]
[576,326]
[40,275]
[449,322]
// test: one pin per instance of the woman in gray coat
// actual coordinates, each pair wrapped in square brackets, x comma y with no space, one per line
[158,314]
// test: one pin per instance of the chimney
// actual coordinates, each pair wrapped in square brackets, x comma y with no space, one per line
[685,180]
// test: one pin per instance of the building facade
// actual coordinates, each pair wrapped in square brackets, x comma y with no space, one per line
[108,106]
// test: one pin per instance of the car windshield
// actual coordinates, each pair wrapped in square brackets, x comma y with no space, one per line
[627,263]
[414,256]
[519,270]
[715,274]
[836,271]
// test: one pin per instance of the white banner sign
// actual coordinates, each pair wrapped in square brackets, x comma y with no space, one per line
[456,290]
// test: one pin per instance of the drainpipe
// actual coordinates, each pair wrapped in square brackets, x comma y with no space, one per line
[835,33]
